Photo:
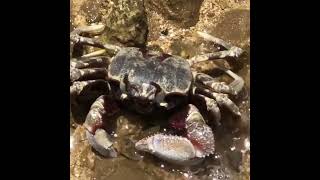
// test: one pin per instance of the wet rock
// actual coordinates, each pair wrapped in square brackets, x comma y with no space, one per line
[184,13]
[82,158]
[237,23]
[92,11]
[125,20]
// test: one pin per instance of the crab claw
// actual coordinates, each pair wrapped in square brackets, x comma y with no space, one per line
[189,150]
[197,131]
[98,138]
[173,149]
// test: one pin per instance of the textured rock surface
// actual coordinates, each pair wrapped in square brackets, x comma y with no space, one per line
[125,20]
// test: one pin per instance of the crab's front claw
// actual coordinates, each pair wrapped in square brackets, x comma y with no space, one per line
[189,150]
[98,138]
[173,149]
[191,122]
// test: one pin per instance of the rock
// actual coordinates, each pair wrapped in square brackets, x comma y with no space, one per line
[81,157]
[238,24]
[184,13]
[125,20]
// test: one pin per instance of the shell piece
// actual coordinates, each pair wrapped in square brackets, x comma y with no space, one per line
[174,149]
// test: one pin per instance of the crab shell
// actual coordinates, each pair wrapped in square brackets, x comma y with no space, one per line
[171,73]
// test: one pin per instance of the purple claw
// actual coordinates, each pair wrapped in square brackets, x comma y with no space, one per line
[98,138]
[197,131]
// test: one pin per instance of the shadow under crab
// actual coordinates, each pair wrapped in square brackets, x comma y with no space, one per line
[146,81]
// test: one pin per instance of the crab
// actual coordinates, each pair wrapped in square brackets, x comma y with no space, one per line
[145,81]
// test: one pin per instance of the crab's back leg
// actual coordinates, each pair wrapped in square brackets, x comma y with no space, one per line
[75,34]
[90,62]
[98,138]
[76,37]
[222,99]
[79,87]
[230,52]
[237,84]
[85,74]
[221,87]
[88,68]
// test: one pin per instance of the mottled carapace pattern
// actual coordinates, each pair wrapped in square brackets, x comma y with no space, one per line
[171,73]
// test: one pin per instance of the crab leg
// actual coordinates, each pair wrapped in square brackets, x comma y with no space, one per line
[238,82]
[75,37]
[221,99]
[98,138]
[95,53]
[79,86]
[230,52]
[86,74]
[214,84]
[191,149]
[221,87]
[210,105]
[93,29]
[215,40]
[89,62]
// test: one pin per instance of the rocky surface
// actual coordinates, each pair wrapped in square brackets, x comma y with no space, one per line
[125,20]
